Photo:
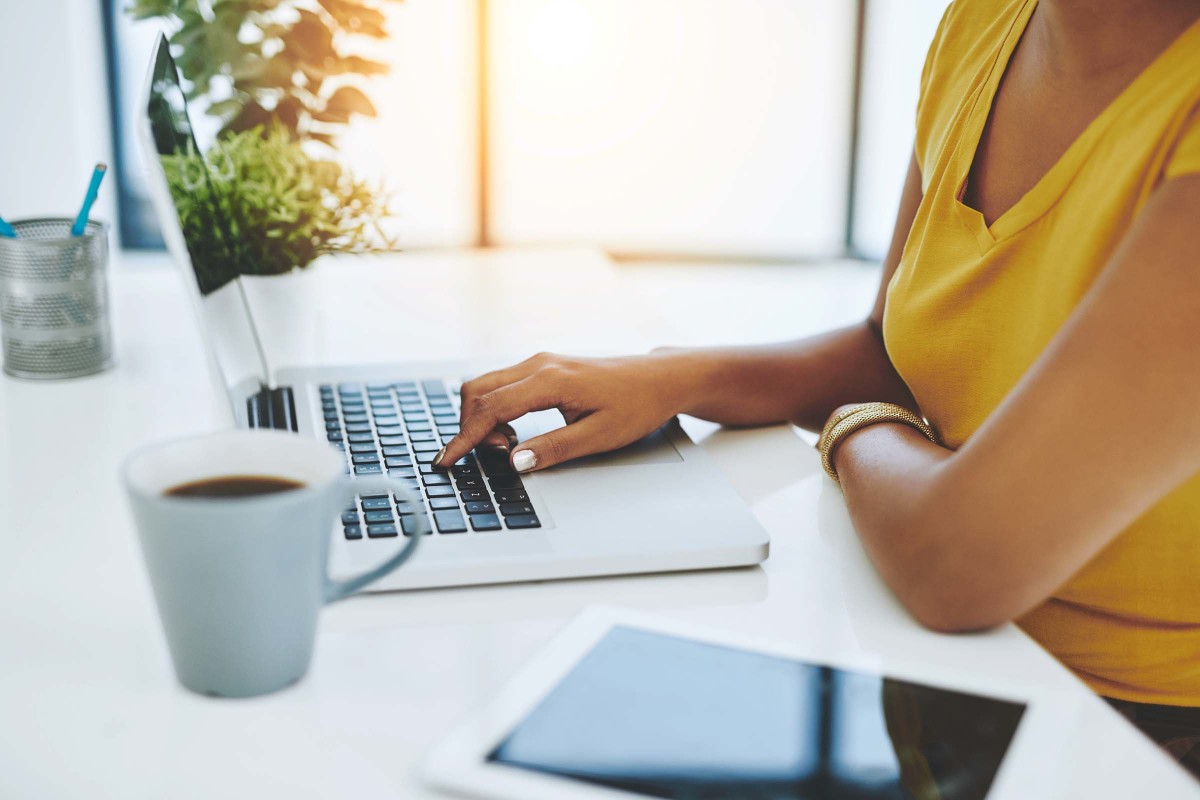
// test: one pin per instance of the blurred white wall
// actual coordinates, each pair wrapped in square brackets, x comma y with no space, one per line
[54,123]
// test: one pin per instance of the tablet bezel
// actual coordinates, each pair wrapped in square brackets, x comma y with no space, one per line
[458,763]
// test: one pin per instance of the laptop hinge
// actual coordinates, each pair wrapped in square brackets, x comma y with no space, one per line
[272,408]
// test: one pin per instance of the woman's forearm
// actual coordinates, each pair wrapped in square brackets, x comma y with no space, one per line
[800,381]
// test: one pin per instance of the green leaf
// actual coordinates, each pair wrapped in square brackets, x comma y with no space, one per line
[225,108]
[309,38]
[146,9]
[364,66]
[352,16]
[347,101]
[251,116]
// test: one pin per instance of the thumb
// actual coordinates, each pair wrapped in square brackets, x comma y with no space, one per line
[588,435]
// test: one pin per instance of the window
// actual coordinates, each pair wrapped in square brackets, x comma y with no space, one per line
[721,128]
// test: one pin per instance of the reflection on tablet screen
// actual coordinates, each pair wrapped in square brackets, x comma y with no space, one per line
[668,717]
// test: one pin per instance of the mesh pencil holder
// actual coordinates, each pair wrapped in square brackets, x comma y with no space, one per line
[54,319]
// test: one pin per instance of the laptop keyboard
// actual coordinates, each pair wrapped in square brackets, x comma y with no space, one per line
[397,429]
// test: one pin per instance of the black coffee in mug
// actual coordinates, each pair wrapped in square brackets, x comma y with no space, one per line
[234,486]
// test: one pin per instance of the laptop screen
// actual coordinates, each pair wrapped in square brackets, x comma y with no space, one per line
[195,231]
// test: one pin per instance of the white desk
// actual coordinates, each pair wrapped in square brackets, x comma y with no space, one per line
[89,706]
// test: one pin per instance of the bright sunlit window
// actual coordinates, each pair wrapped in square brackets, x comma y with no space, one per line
[710,128]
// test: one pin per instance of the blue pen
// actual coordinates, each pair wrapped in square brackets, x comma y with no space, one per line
[7,230]
[81,221]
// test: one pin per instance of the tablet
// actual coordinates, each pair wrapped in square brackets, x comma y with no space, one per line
[625,705]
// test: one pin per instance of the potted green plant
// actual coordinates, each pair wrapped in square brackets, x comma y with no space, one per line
[258,62]
[279,77]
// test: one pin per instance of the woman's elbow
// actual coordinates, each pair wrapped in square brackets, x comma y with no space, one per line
[949,589]
[944,615]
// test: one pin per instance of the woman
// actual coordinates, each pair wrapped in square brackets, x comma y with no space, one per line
[1040,307]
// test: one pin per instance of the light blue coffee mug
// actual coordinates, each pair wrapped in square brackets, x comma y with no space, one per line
[239,582]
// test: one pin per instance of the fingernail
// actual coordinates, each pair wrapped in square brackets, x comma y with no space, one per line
[437,460]
[524,460]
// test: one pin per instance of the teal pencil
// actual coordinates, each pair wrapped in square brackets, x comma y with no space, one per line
[81,221]
[7,230]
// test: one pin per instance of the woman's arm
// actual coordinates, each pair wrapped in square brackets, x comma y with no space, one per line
[611,402]
[1105,424]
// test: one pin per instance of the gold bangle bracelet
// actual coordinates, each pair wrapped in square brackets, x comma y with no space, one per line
[855,418]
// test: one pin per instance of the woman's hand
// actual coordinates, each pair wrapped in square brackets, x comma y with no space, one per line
[607,403]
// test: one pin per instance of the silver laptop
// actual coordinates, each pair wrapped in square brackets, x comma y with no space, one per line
[658,505]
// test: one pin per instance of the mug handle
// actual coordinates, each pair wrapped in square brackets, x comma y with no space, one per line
[350,488]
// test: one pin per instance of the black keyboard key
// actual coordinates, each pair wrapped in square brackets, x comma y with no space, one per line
[411,524]
[426,447]
[372,517]
[443,503]
[515,509]
[334,436]
[404,509]
[360,428]
[422,436]
[502,482]
[384,531]
[471,495]
[350,517]
[450,521]
[353,531]
[449,430]
[480,507]
[331,416]
[426,466]
[388,440]
[395,451]
[415,427]
[362,447]
[399,461]
[402,472]
[436,479]
[365,458]
[465,470]
[352,418]
[440,491]
[485,522]
[522,521]
[333,426]
[494,460]
[368,469]
[511,496]
[376,504]
[470,482]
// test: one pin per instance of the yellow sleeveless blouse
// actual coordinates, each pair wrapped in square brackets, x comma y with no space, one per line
[971,307]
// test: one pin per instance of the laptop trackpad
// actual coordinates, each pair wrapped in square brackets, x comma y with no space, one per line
[653,449]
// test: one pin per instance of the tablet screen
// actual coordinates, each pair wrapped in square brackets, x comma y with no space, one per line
[663,716]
